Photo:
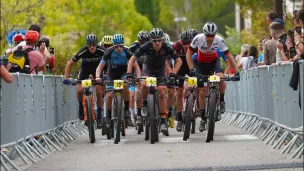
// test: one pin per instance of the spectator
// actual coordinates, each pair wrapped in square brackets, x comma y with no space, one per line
[41,48]
[15,37]
[51,63]
[278,26]
[271,48]
[7,77]
[250,60]
[37,62]
[297,37]
[271,16]
[261,44]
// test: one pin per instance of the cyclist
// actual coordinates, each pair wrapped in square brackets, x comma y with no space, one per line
[116,58]
[206,46]
[143,37]
[181,46]
[91,54]
[157,53]
[106,41]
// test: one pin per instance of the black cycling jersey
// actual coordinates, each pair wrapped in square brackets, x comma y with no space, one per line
[89,60]
[155,60]
[133,48]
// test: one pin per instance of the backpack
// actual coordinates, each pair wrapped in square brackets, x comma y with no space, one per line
[20,61]
[252,62]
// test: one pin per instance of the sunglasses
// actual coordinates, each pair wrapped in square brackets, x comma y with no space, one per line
[118,46]
[157,40]
[210,35]
[107,46]
[90,45]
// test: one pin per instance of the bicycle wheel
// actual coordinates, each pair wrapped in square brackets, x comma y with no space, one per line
[152,114]
[103,126]
[91,127]
[147,128]
[189,113]
[211,115]
[193,122]
[117,106]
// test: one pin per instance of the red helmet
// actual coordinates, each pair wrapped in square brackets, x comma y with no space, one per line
[31,36]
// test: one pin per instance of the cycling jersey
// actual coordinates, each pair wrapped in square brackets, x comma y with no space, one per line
[133,48]
[178,47]
[154,63]
[220,53]
[205,54]
[117,63]
[89,61]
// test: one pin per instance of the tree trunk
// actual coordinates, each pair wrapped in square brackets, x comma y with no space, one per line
[278,8]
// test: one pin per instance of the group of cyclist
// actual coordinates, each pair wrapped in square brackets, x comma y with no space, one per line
[152,55]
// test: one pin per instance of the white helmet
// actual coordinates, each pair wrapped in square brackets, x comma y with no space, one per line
[166,38]
[210,28]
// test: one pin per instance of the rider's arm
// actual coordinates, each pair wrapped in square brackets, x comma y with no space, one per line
[100,68]
[131,64]
[137,69]
[177,60]
[168,67]
[68,68]
[225,49]
[227,67]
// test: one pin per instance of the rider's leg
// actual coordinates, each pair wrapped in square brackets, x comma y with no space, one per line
[80,97]
[99,94]
[162,105]
[220,72]
[131,102]
[139,104]
[179,108]
[202,92]
[171,92]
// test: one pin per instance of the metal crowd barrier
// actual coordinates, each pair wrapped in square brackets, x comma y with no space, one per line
[264,104]
[38,117]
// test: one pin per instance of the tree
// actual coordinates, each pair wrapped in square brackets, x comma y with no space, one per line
[68,22]
[149,8]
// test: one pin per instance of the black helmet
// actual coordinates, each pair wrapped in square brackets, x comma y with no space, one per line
[156,33]
[143,35]
[92,39]
[185,36]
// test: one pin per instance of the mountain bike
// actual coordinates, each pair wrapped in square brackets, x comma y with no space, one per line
[152,122]
[88,104]
[213,101]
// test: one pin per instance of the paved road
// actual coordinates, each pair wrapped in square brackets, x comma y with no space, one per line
[231,146]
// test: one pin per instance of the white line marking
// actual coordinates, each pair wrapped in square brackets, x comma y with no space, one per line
[109,142]
[173,140]
[240,137]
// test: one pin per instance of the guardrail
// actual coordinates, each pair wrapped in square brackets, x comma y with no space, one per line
[263,99]
[38,116]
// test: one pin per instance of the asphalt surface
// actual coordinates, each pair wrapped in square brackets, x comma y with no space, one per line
[231,147]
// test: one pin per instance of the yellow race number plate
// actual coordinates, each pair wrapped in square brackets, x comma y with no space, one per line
[214,78]
[192,81]
[151,81]
[86,83]
[118,84]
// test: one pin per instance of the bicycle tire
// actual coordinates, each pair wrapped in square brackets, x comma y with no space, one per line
[103,126]
[151,111]
[189,111]
[91,127]
[147,128]
[211,116]
[117,102]
[123,128]
[193,122]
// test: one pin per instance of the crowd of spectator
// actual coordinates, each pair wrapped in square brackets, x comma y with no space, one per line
[39,52]
[282,46]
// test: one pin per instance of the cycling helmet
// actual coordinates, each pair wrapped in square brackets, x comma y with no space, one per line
[210,28]
[185,36]
[156,33]
[91,39]
[143,35]
[166,38]
[118,39]
[193,32]
[107,40]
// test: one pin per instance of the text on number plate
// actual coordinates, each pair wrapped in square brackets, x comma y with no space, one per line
[151,81]
[118,84]
[86,83]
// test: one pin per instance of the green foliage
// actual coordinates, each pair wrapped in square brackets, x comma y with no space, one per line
[233,40]
[68,22]
[149,8]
